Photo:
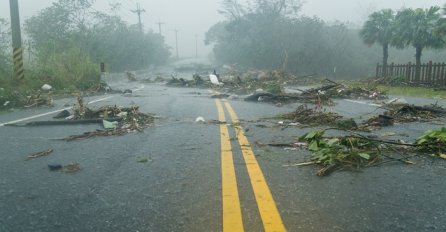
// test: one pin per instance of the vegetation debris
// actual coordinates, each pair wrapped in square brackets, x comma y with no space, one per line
[309,116]
[433,141]
[39,99]
[71,168]
[356,150]
[403,113]
[40,154]
[128,119]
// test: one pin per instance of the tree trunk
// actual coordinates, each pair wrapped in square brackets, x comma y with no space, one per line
[419,51]
[385,58]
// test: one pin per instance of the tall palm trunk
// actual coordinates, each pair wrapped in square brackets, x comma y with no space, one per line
[385,58]
[419,52]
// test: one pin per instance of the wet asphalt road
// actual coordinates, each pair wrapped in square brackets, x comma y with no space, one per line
[179,187]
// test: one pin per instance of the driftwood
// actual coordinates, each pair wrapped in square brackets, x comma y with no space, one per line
[40,154]
[86,135]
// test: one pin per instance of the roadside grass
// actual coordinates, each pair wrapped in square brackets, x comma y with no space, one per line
[412,91]
[68,73]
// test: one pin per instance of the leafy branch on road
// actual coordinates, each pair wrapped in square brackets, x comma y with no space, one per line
[356,151]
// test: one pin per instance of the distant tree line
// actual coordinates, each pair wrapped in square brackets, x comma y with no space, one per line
[70,38]
[270,34]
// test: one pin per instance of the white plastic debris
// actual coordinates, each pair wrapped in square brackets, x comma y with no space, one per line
[122,114]
[214,79]
[109,125]
[200,119]
[46,87]
[6,103]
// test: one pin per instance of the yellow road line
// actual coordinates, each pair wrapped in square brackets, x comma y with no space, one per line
[271,218]
[232,213]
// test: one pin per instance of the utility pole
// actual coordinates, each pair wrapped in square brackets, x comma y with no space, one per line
[16,40]
[159,26]
[196,46]
[176,42]
[139,11]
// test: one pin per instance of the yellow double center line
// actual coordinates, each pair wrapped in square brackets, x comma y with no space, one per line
[232,217]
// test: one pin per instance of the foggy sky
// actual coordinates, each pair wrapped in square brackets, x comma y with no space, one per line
[194,17]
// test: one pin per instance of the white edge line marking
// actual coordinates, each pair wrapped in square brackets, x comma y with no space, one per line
[52,112]
[364,103]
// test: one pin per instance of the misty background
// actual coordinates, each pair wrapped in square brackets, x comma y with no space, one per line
[194,17]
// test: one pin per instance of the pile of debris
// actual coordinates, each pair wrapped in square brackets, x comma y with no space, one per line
[197,81]
[356,150]
[403,113]
[319,95]
[252,81]
[343,91]
[39,99]
[311,117]
[116,120]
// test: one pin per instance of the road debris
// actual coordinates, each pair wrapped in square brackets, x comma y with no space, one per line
[433,141]
[197,81]
[403,113]
[214,80]
[308,116]
[220,95]
[200,119]
[109,125]
[40,154]
[356,150]
[55,167]
[39,99]
[116,120]
[144,160]
[130,76]
[62,114]
[46,87]
[71,168]
[91,134]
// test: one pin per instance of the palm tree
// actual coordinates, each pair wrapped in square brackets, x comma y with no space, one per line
[417,28]
[379,28]
[441,27]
